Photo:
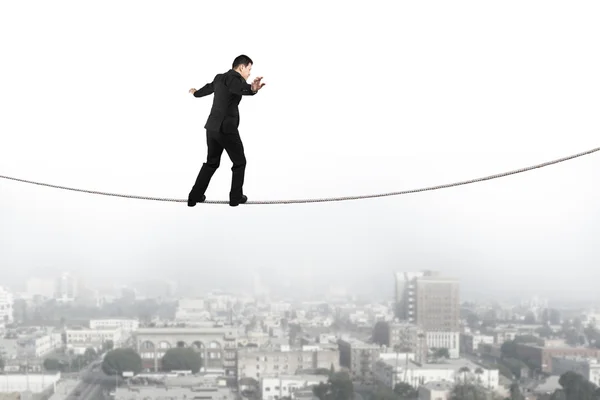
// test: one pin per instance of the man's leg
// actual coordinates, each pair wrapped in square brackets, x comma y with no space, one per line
[235,149]
[213,160]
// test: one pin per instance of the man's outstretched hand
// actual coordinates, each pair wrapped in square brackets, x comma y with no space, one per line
[256,85]
[192,91]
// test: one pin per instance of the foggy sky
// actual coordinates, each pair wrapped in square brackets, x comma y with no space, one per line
[360,97]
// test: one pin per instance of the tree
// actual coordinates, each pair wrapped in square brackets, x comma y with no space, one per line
[576,387]
[52,364]
[2,363]
[338,387]
[321,390]
[118,361]
[108,345]
[381,333]
[558,394]
[442,353]
[90,354]
[508,349]
[464,371]
[405,391]
[545,331]
[554,316]
[515,392]
[181,359]
[473,320]
[384,393]
[468,391]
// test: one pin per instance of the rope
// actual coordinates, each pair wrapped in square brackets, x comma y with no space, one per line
[320,200]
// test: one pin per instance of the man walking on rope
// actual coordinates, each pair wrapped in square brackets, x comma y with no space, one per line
[222,129]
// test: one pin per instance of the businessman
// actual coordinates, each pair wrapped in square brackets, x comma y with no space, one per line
[222,129]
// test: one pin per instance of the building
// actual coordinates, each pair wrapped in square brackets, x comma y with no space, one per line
[469,342]
[6,307]
[126,325]
[542,357]
[358,357]
[436,390]
[438,303]
[81,339]
[66,288]
[389,373]
[274,388]
[191,309]
[588,367]
[35,383]
[282,360]
[406,295]
[432,302]
[39,344]
[444,340]
[408,337]
[170,386]
[217,346]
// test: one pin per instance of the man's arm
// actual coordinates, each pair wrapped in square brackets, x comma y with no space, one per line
[239,87]
[205,90]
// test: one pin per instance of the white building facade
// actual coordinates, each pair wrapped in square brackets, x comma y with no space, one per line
[273,388]
[416,375]
[6,306]
[126,325]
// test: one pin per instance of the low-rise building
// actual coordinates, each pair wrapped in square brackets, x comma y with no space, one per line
[469,342]
[542,356]
[81,339]
[358,357]
[39,344]
[436,390]
[388,373]
[274,361]
[126,325]
[274,388]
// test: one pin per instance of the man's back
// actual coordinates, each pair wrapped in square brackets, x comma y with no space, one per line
[228,89]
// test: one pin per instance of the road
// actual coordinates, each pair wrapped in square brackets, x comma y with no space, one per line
[94,384]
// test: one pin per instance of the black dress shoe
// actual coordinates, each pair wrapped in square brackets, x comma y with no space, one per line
[241,201]
[192,202]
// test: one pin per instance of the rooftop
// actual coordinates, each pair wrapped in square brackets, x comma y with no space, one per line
[453,364]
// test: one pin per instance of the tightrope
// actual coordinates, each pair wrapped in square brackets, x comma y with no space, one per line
[318,200]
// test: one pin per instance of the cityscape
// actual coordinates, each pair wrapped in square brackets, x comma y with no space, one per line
[63,339]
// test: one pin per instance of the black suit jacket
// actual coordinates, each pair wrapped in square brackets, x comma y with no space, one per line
[228,88]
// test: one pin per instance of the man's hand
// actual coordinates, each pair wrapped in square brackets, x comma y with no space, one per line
[256,85]
[192,91]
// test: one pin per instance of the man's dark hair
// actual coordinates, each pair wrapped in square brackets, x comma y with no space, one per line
[241,60]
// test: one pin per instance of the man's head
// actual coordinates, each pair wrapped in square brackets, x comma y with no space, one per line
[243,65]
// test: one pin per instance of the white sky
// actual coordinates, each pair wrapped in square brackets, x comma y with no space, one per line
[361,97]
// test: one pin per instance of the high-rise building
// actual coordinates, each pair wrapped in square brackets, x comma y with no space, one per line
[438,306]
[432,302]
[406,295]
[6,306]
[66,288]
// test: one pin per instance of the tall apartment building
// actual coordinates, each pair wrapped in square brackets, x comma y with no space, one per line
[285,360]
[66,288]
[432,302]
[406,295]
[6,306]
[358,357]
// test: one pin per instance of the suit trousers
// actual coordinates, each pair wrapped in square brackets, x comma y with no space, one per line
[217,142]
